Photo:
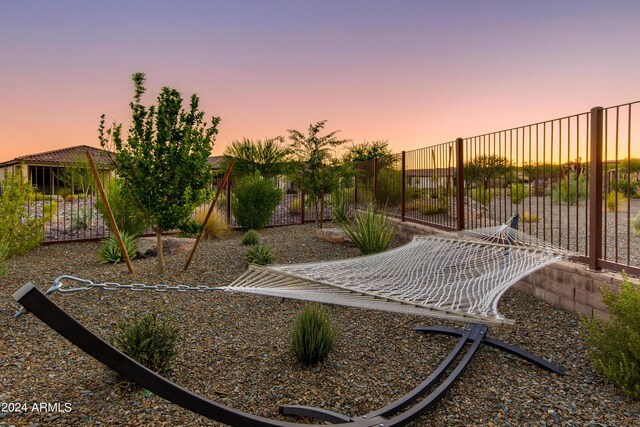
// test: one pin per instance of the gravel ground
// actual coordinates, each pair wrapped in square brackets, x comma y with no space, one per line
[234,349]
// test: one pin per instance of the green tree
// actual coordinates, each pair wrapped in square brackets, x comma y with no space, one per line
[367,150]
[320,172]
[269,157]
[76,176]
[164,158]
[482,169]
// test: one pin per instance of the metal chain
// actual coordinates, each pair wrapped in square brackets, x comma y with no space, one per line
[86,285]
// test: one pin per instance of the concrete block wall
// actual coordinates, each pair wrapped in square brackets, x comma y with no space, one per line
[568,285]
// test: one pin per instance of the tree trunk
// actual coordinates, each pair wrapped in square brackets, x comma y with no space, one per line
[161,268]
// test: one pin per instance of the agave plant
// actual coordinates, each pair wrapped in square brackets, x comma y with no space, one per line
[259,254]
[110,251]
[369,230]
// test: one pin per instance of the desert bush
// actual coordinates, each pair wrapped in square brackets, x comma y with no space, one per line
[215,228]
[635,224]
[190,228]
[433,206]
[483,195]
[529,217]
[251,237]
[389,188]
[614,346]
[81,220]
[4,264]
[18,230]
[150,339]
[127,212]
[623,187]
[254,201]
[370,231]
[570,189]
[616,201]
[518,193]
[313,335]
[296,207]
[110,251]
[49,210]
[258,254]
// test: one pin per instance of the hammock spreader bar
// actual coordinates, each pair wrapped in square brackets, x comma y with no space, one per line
[44,309]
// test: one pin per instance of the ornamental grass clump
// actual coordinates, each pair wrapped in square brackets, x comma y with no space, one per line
[614,346]
[110,251]
[518,192]
[150,339]
[216,227]
[313,335]
[635,224]
[369,230]
[616,201]
[251,237]
[259,254]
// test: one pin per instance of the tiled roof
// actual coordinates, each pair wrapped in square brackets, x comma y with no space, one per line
[215,161]
[65,156]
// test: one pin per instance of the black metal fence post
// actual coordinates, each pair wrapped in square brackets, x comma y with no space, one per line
[460,184]
[404,186]
[595,189]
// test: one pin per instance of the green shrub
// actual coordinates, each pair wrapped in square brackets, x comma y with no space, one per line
[258,254]
[570,190]
[529,217]
[126,210]
[4,265]
[614,347]
[483,195]
[389,188]
[110,251]
[635,224]
[435,206]
[190,228]
[518,193]
[370,231]
[19,231]
[254,201]
[251,237]
[624,187]
[313,335]
[49,210]
[150,339]
[81,220]
[616,201]
[296,207]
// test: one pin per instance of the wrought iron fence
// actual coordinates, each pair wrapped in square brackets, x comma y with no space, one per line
[573,181]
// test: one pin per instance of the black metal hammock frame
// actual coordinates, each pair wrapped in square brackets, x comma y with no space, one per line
[391,415]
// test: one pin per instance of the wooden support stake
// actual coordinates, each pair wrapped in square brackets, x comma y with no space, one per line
[206,219]
[112,220]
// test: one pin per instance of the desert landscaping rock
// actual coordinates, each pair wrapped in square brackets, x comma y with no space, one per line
[234,348]
[148,246]
[333,235]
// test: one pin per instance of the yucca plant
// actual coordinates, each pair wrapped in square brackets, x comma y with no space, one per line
[340,206]
[251,237]
[110,251]
[259,254]
[150,339]
[313,335]
[370,231]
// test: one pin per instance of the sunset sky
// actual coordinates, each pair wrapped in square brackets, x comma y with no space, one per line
[415,73]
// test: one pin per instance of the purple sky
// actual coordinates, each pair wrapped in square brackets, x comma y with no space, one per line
[414,72]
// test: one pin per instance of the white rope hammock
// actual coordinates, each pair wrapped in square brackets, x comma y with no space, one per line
[459,276]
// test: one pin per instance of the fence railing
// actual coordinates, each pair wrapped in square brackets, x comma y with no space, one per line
[573,181]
